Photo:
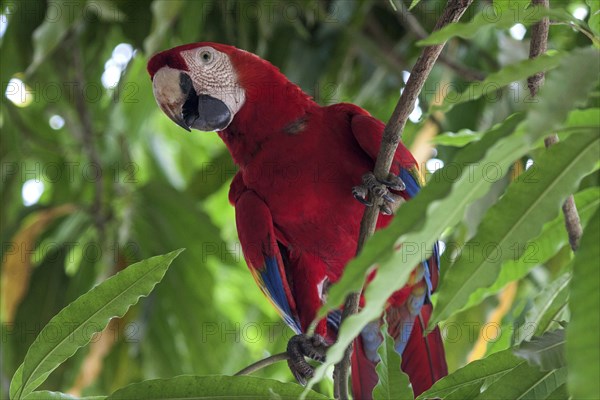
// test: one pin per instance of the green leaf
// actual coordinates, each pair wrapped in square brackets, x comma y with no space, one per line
[594,19]
[60,17]
[164,14]
[546,352]
[466,382]
[413,4]
[590,117]
[497,18]
[458,139]
[539,250]
[583,352]
[519,215]
[501,375]
[561,393]
[497,80]
[525,382]
[212,386]
[502,6]
[578,120]
[47,395]
[547,307]
[564,89]
[104,10]
[74,326]
[393,383]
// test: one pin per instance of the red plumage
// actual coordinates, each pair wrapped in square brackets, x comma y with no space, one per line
[297,220]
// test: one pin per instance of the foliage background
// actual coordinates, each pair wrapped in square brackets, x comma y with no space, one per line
[122,183]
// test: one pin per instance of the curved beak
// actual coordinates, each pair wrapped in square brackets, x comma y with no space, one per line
[169,95]
[175,115]
[175,94]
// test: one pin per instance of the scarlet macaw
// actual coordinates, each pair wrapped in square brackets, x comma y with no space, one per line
[296,217]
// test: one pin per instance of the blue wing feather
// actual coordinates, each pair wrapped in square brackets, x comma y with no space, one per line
[273,285]
[412,185]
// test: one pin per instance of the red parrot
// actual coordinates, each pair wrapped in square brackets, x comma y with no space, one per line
[301,166]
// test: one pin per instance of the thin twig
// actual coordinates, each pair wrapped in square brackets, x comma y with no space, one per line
[579,29]
[265,362]
[391,137]
[538,46]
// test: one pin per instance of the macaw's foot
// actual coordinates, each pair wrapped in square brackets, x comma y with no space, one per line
[379,189]
[300,346]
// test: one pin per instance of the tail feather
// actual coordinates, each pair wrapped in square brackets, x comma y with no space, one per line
[423,360]
[364,376]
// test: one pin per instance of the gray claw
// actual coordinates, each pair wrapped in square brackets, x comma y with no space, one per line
[360,194]
[386,210]
[394,182]
[388,198]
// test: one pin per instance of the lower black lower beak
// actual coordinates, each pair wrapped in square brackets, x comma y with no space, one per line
[205,113]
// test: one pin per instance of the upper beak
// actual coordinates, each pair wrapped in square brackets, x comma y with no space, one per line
[176,116]
[169,94]
[176,96]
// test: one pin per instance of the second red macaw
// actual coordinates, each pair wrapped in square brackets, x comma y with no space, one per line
[296,212]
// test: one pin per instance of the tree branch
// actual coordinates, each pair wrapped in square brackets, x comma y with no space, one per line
[265,362]
[391,137]
[538,46]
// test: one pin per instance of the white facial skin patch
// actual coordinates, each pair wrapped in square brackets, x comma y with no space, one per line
[213,74]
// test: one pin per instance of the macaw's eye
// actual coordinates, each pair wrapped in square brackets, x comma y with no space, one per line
[206,56]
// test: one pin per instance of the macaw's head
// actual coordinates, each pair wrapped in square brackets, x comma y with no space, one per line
[205,85]
[197,85]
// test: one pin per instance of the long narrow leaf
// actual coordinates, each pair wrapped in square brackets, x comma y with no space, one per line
[547,305]
[518,217]
[577,121]
[211,387]
[542,248]
[583,352]
[489,18]
[546,352]
[466,382]
[393,382]
[525,382]
[46,395]
[74,326]
[501,375]
[507,75]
